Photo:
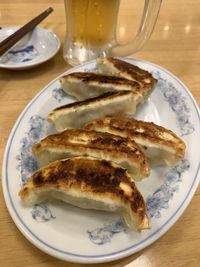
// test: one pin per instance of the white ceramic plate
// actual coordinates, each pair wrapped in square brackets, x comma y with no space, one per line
[85,236]
[33,49]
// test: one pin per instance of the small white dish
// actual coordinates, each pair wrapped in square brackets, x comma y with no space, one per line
[33,49]
[87,236]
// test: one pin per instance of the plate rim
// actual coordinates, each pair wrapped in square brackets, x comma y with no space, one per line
[30,64]
[67,256]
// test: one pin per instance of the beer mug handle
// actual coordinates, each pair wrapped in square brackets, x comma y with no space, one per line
[148,21]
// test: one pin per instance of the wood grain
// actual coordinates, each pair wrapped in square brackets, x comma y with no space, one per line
[175,45]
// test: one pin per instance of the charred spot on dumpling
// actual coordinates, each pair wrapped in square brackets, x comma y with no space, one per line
[38,179]
[106,163]
[119,172]
[81,174]
[138,201]
[115,182]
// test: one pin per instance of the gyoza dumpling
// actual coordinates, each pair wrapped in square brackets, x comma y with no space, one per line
[75,115]
[88,183]
[114,66]
[80,142]
[160,145]
[84,85]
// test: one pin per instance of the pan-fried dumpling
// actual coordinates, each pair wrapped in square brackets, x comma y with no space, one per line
[84,85]
[160,145]
[114,66]
[88,183]
[80,142]
[75,115]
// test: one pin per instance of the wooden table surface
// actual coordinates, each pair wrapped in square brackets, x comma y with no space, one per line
[175,45]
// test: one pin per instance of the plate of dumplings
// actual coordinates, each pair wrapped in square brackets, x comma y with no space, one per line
[103,160]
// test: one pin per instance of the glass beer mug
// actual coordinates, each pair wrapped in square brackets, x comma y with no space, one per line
[105,28]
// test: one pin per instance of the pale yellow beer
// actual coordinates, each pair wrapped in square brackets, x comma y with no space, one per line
[93,22]
[98,28]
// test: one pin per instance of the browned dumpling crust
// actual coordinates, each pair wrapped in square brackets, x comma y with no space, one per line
[88,183]
[84,85]
[76,114]
[160,145]
[80,142]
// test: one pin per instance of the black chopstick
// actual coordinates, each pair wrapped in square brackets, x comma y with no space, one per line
[15,37]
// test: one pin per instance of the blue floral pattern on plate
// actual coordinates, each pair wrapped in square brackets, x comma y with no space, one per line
[177,102]
[27,163]
[102,235]
[160,198]
[59,94]
[42,213]
[22,55]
